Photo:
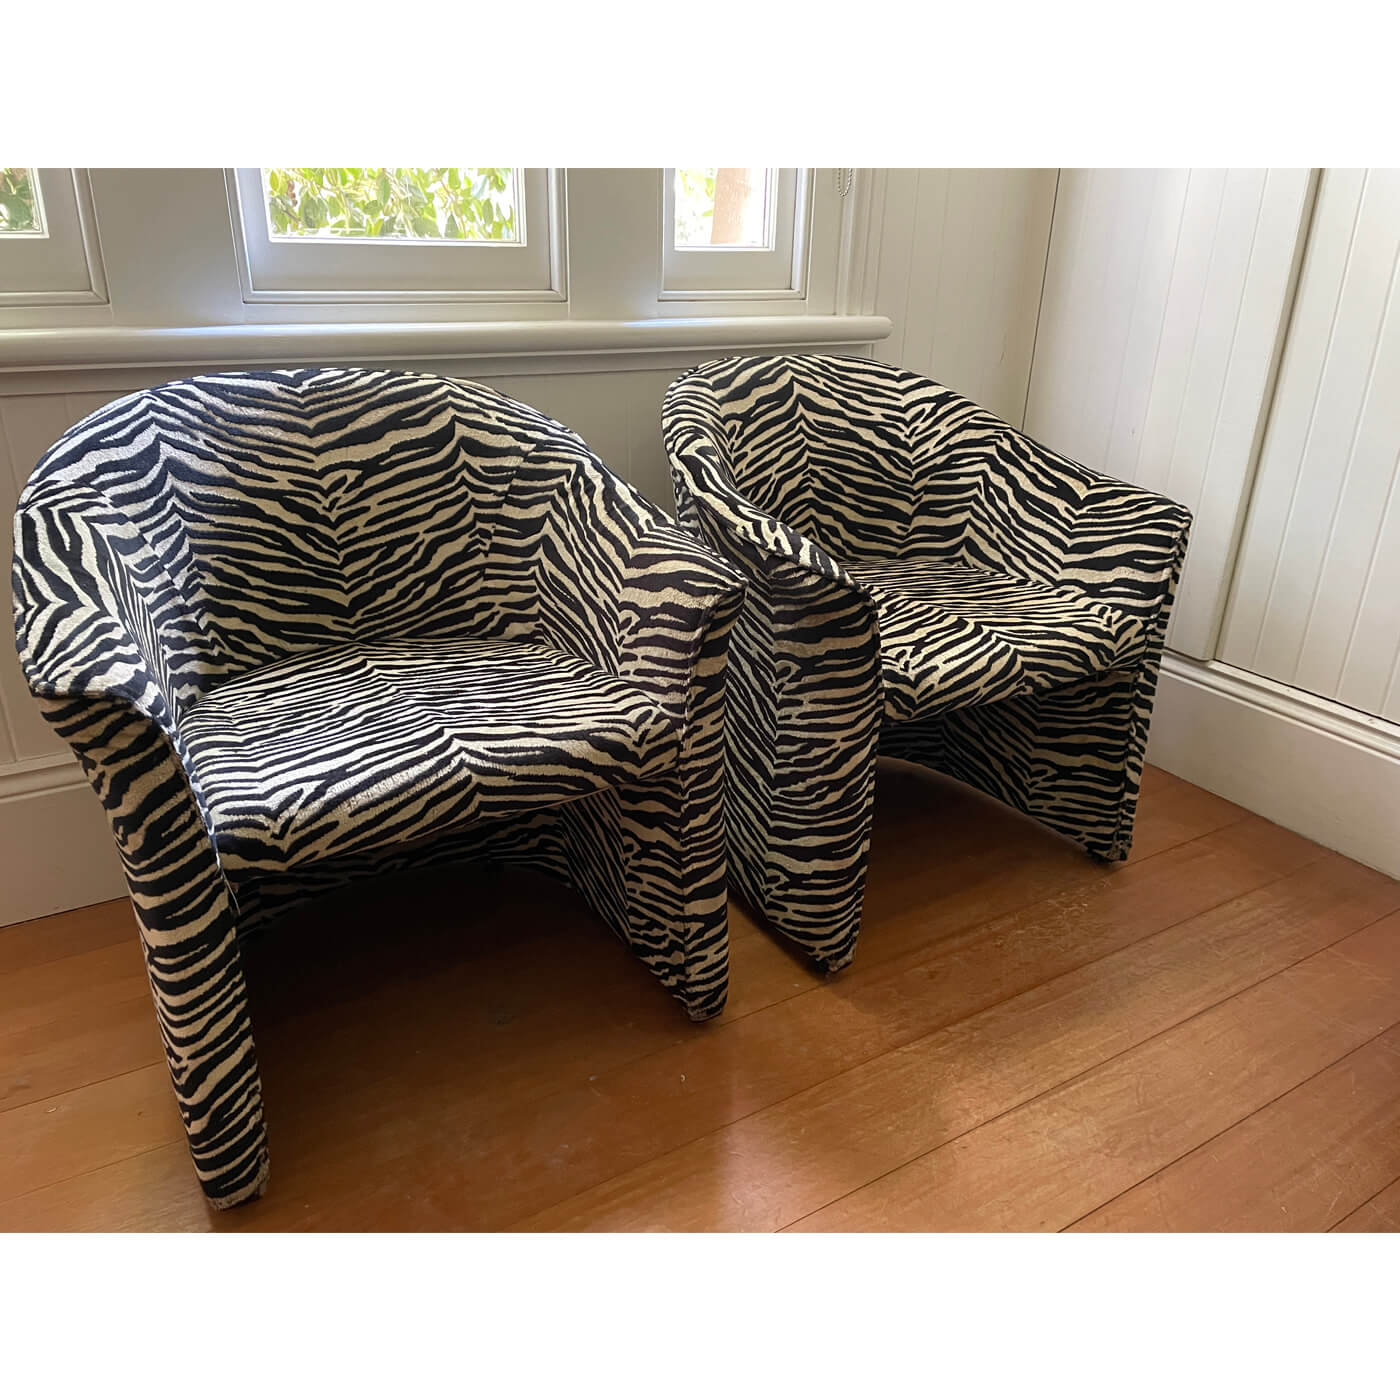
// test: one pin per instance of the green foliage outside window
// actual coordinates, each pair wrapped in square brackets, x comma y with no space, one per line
[358,202]
[19,211]
[695,205]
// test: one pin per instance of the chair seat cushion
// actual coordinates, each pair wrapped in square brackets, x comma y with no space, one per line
[372,744]
[953,636]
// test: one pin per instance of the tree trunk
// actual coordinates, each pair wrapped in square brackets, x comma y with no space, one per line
[732,188]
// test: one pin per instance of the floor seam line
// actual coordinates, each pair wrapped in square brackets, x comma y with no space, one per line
[1337,1224]
[1230,1127]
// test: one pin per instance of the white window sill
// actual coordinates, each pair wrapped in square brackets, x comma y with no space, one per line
[191,346]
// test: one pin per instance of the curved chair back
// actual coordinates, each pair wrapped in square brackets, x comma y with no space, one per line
[871,461]
[262,514]
[792,442]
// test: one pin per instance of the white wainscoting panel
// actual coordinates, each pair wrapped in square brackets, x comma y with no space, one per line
[1316,597]
[1166,294]
[56,850]
[957,267]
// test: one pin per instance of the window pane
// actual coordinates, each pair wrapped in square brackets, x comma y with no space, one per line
[20,209]
[474,206]
[723,207]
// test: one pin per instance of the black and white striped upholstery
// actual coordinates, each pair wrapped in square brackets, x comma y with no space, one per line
[926,582]
[307,626]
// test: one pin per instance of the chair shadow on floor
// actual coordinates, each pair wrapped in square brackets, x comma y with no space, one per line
[419,1036]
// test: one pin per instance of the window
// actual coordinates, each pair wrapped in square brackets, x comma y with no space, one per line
[724,207]
[733,230]
[21,211]
[397,233]
[48,238]
[480,205]
[206,248]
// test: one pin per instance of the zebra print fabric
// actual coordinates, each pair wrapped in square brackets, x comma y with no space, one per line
[303,627]
[923,581]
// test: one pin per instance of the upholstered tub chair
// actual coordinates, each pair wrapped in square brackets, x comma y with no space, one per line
[923,581]
[306,626]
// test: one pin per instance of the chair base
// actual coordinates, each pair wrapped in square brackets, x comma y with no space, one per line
[244,1194]
[1069,759]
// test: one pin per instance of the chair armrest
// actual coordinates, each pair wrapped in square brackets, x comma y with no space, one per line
[89,647]
[615,582]
[1126,545]
[1052,520]
[677,603]
[737,525]
[83,628]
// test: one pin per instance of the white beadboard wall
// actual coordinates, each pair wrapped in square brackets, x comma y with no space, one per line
[1165,296]
[955,259]
[1316,599]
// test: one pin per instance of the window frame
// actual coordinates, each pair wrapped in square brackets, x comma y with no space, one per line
[62,264]
[172,267]
[735,273]
[335,269]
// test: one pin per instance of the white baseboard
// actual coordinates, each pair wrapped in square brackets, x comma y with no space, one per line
[1330,773]
[56,849]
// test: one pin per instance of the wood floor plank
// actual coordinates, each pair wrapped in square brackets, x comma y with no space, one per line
[52,1036]
[1177,811]
[152,1190]
[413,1061]
[68,1021]
[1055,1159]
[583,1003]
[522,1158]
[992,861]
[801,1154]
[432,1061]
[73,1051]
[1380,1215]
[62,935]
[1303,1162]
[90,1127]
[81,984]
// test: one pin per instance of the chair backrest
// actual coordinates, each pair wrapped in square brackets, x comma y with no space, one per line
[293,509]
[864,458]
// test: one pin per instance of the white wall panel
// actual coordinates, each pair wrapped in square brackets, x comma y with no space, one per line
[961,255]
[1316,599]
[1165,297]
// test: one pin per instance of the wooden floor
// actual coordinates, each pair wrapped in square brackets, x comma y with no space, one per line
[1205,1038]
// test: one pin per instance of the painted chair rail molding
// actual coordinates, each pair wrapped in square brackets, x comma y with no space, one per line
[46,348]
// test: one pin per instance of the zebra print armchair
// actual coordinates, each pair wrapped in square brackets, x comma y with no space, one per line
[303,627]
[926,582]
